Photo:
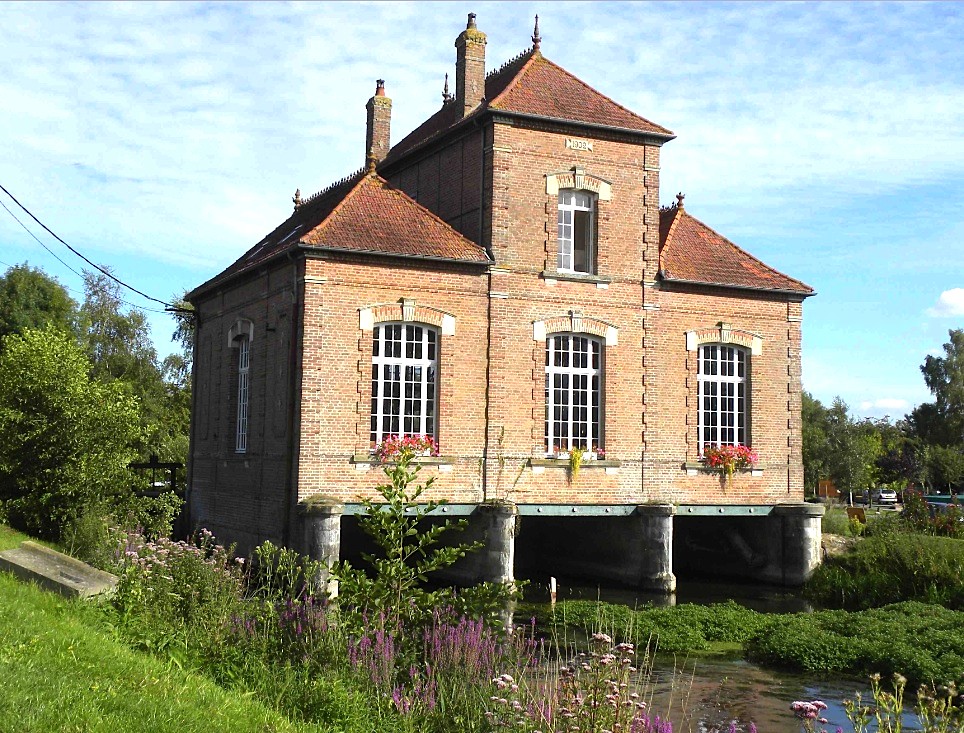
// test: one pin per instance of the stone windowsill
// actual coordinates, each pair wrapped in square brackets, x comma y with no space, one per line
[692,469]
[564,463]
[370,460]
[576,277]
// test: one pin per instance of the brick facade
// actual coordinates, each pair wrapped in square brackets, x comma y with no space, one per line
[494,179]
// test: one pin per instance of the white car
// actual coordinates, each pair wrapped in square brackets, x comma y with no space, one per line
[883,496]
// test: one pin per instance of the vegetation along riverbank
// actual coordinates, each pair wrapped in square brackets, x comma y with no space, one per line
[257,636]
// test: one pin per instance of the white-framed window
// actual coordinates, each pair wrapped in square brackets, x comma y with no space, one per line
[576,233]
[404,380]
[241,432]
[574,392]
[724,395]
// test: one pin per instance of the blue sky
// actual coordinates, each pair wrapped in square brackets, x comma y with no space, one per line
[825,138]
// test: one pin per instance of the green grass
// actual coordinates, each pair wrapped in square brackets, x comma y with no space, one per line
[62,670]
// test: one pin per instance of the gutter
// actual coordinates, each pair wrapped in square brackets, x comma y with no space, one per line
[780,291]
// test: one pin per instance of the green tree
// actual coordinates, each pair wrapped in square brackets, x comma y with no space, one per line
[119,346]
[853,448]
[815,427]
[944,376]
[29,298]
[65,439]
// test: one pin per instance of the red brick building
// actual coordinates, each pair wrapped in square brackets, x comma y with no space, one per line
[505,280]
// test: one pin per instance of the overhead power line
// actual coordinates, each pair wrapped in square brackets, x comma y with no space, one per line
[56,257]
[92,264]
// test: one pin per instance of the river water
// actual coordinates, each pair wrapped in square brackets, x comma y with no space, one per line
[717,692]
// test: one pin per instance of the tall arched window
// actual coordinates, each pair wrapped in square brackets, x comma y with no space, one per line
[724,404]
[404,380]
[574,391]
[576,233]
[241,431]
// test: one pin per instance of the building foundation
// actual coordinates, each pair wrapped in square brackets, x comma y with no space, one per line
[321,520]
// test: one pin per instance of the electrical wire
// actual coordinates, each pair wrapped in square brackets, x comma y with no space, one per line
[92,264]
[54,255]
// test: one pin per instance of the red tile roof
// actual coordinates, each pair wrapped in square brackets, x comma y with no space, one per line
[531,84]
[692,252]
[361,213]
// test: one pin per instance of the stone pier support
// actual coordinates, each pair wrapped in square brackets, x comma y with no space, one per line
[497,557]
[795,529]
[654,547]
[321,519]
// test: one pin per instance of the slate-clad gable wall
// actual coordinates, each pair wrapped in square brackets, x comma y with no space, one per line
[447,181]
[244,496]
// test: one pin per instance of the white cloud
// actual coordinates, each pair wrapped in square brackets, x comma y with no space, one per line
[894,404]
[950,303]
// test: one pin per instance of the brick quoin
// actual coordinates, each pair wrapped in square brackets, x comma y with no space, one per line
[482,177]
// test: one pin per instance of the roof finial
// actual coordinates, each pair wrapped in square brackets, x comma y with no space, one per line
[679,200]
[371,161]
[536,38]
[297,199]
[446,97]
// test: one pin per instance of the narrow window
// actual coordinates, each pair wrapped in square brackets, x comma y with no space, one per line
[724,407]
[404,381]
[576,233]
[241,434]
[574,372]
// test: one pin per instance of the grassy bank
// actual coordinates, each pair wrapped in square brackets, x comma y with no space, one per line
[63,670]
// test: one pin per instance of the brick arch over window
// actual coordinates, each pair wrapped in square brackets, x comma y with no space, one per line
[578,179]
[724,333]
[406,311]
[575,322]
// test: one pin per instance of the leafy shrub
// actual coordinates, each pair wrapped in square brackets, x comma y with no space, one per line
[921,641]
[65,439]
[945,521]
[100,534]
[888,567]
[683,628]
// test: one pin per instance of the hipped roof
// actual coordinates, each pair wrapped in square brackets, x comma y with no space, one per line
[691,252]
[364,214]
[532,85]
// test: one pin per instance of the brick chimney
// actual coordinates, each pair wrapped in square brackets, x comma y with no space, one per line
[469,67]
[378,137]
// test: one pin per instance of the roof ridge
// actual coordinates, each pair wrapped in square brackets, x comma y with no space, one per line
[672,225]
[518,57]
[596,91]
[533,55]
[350,194]
[740,249]
[331,187]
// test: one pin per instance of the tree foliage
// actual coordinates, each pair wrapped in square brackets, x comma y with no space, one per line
[65,438]
[29,298]
[944,376]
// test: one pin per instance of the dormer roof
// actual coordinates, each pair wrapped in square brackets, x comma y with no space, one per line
[690,252]
[533,86]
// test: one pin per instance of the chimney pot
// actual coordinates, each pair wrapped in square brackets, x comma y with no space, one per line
[470,67]
[378,132]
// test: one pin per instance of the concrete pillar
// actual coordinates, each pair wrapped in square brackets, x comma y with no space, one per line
[321,519]
[655,547]
[498,533]
[797,527]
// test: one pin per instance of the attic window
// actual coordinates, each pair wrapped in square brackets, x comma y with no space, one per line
[576,232]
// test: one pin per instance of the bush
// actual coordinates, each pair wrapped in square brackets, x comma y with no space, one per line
[921,641]
[65,439]
[684,628]
[888,567]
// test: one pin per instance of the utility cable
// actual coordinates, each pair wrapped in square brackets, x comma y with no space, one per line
[92,264]
[54,255]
